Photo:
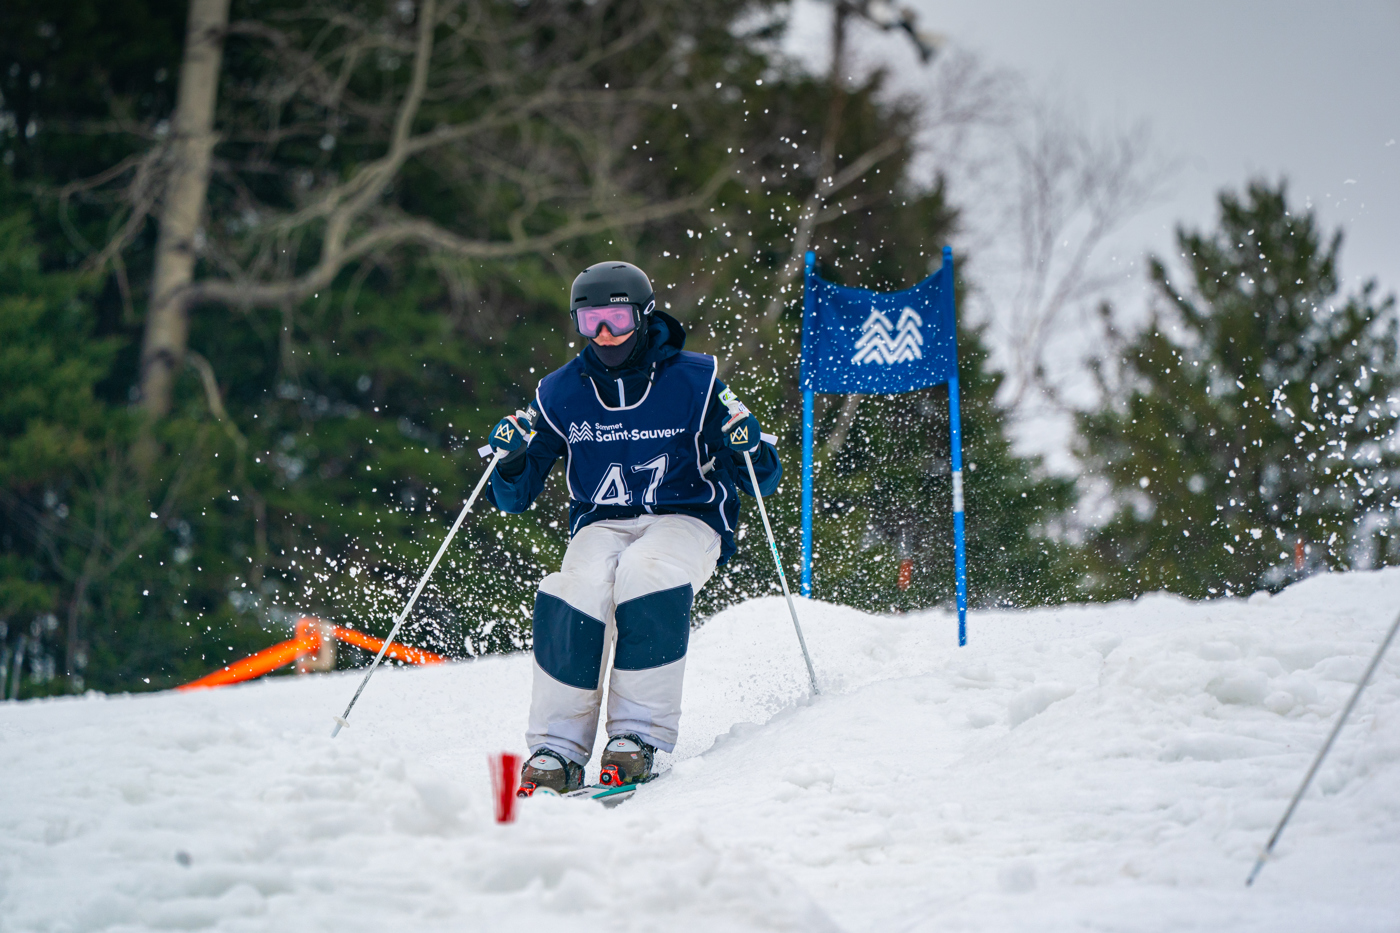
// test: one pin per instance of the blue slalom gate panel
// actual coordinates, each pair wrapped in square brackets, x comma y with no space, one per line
[858,341]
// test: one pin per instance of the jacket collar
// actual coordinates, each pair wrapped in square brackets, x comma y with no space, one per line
[627,385]
[665,339]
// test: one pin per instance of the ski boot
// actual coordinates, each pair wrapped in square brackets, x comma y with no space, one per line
[626,760]
[548,771]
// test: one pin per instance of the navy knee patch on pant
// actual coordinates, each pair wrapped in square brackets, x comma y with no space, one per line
[654,629]
[568,643]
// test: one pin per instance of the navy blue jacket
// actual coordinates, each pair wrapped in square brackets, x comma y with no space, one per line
[642,439]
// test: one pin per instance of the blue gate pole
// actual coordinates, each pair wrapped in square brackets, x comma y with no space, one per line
[959,548]
[955,442]
[808,399]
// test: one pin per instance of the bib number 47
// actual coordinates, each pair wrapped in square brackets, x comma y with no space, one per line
[612,488]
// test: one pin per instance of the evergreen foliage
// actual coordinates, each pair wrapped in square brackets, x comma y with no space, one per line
[318,447]
[98,582]
[1256,412]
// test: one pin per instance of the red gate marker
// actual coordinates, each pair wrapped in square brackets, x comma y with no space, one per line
[906,573]
[505,776]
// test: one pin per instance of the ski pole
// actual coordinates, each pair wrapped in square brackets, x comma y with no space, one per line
[1326,747]
[782,577]
[341,720]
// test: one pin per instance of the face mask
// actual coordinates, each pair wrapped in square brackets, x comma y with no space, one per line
[612,357]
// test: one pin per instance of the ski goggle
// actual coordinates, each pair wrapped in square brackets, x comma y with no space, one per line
[621,319]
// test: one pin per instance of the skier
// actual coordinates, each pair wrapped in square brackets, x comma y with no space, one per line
[654,449]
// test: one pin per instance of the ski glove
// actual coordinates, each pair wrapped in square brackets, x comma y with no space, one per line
[512,434]
[742,433]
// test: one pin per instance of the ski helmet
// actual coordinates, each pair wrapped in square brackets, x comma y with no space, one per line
[613,283]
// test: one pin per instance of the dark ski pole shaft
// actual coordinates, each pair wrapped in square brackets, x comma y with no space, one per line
[1326,747]
[342,720]
[782,577]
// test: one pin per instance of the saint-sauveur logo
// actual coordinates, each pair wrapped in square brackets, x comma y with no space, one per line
[587,431]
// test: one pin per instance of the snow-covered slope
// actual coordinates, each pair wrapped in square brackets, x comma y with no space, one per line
[1088,768]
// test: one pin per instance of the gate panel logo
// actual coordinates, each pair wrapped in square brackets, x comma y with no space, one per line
[881,342]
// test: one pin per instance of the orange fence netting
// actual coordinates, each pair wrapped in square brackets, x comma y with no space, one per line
[311,649]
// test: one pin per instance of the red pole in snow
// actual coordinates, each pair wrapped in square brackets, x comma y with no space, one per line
[505,775]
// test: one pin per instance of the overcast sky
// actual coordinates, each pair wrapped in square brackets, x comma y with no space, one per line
[1229,90]
[1310,91]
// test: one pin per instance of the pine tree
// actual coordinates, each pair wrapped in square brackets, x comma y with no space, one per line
[103,582]
[1253,417]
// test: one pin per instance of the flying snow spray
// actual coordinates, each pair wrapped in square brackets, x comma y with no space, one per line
[738,412]
[524,420]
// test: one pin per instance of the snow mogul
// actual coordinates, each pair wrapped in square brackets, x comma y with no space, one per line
[653,445]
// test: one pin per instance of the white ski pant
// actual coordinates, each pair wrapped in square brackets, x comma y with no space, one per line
[624,592]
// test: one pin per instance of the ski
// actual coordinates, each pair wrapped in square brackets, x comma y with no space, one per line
[607,796]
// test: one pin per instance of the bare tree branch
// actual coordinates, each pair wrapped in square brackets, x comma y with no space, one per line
[1071,192]
[319,155]
[390,234]
[811,216]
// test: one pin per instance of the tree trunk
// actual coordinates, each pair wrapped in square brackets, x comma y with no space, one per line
[182,207]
